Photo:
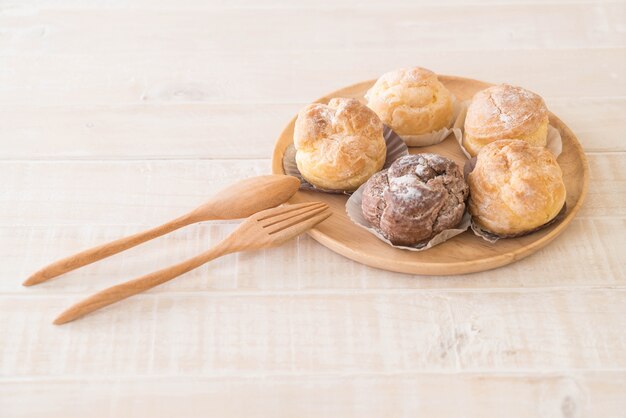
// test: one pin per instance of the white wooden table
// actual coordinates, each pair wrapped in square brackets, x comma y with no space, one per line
[118,115]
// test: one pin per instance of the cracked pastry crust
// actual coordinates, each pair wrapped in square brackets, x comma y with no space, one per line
[411,101]
[515,187]
[505,112]
[415,199]
[339,145]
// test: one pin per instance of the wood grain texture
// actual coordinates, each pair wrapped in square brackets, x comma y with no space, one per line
[140,204]
[144,131]
[17,6]
[571,394]
[289,76]
[118,115]
[325,333]
[197,130]
[399,28]
[575,252]
[132,192]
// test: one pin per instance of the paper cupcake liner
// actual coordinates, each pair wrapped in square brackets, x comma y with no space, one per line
[469,167]
[355,213]
[396,148]
[436,137]
[554,143]
[493,237]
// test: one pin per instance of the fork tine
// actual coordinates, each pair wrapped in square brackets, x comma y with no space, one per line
[304,215]
[296,229]
[269,213]
[271,220]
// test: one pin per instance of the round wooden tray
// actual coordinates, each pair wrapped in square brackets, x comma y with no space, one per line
[465,253]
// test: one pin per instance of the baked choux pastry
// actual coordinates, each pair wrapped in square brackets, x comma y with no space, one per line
[505,111]
[515,188]
[415,199]
[411,101]
[339,145]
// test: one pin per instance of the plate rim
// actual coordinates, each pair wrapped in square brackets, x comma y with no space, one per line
[439,268]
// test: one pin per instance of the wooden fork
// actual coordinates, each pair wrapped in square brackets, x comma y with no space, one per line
[265,229]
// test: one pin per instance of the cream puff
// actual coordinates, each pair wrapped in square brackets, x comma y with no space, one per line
[411,101]
[515,188]
[505,112]
[339,145]
[415,199]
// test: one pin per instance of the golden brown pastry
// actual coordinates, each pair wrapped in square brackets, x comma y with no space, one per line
[505,112]
[339,145]
[515,187]
[411,101]
[415,199]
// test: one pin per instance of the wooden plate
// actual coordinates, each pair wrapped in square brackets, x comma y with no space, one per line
[465,253]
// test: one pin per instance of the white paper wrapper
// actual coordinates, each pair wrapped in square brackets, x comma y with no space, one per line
[396,148]
[554,144]
[436,137]
[355,213]
[492,238]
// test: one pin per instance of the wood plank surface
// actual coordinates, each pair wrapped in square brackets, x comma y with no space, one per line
[135,191]
[119,115]
[200,130]
[320,333]
[255,272]
[130,197]
[574,394]
[290,76]
[398,28]
[32,6]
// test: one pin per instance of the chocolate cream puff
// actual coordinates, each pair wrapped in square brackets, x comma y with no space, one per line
[505,112]
[415,199]
[411,101]
[339,145]
[515,188]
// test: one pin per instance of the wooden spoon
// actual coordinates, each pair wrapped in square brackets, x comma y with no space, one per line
[239,200]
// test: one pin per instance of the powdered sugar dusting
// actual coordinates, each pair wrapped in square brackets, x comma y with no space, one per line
[422,170]
[405,180]
[505,118]
[409,193]
[513,105]
[406,187]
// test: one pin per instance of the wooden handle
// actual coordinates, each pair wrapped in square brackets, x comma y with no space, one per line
[105,250]
[122,291]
